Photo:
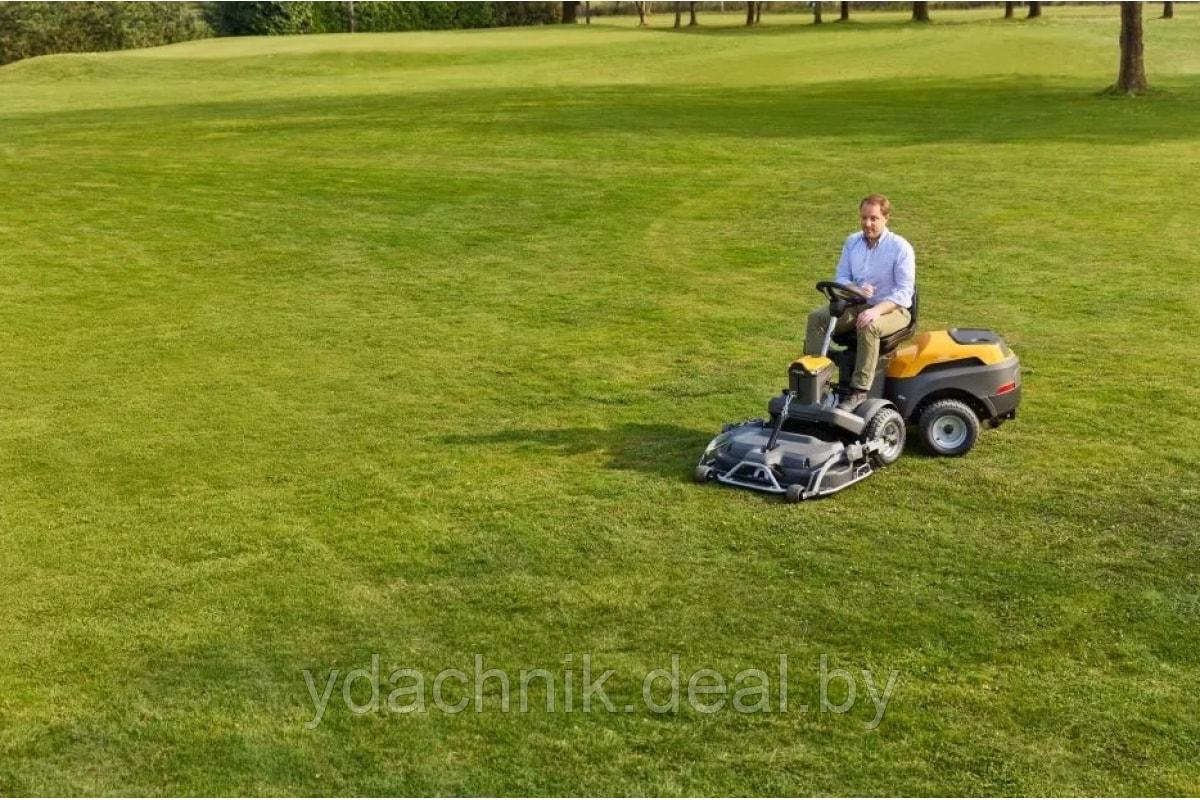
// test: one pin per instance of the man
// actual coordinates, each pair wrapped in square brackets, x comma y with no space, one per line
[882,266]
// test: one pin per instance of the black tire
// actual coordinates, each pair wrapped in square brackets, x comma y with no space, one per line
[948,428]
[795,493]
[702,473]
[888,425]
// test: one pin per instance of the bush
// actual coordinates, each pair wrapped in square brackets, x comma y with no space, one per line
[475,15]
[377,17]
[35,29]
[259,18]
[513,14]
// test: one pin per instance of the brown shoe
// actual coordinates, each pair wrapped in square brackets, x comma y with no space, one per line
[851,400]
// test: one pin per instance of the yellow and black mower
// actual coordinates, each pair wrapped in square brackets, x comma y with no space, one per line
[945,383]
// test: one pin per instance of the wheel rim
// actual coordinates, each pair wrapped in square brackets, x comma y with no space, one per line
[948,432]
[893,441]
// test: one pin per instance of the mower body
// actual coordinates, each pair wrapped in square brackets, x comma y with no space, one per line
[973,365]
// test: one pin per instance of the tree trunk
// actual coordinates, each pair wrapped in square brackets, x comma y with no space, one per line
[587,12]
[757,13]
[1168,11]
[1132,77]
[678,13]
[692,15]
[749,14]
[1035,10]
[570,13]
[920,12]
[816,13]
[845,15]
[1008,10]
[351,10]
[641,9]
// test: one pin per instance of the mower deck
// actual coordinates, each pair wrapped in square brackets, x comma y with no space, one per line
[799,465]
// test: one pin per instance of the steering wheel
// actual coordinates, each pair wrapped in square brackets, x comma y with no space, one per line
[847,294]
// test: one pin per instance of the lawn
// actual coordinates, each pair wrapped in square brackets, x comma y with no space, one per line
[323,347]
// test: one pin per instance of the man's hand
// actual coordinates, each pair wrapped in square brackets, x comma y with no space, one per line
[867,289]
[867,316]
[874,312]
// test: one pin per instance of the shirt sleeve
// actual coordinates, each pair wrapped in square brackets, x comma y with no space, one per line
[842,275]
[905,276]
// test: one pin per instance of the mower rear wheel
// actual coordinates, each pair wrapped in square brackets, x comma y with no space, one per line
[948,428]
[702,474]
[795,493]
[886,428]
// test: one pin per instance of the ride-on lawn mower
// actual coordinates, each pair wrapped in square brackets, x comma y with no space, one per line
[946,383]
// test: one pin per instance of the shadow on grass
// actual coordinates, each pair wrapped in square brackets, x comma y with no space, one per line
[663,450]
[999,109]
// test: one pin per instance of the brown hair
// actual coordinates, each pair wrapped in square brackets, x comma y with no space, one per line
[884,204]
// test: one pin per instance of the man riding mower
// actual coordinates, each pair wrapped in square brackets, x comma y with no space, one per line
[945,382]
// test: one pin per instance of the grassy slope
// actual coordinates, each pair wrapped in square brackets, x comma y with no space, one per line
[314,348]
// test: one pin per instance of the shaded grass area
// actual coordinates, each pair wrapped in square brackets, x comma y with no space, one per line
[988,110]
[418,366]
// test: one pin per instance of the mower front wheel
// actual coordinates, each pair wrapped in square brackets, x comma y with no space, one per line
[795,493]
[886,428]
[948,428]
[703,473]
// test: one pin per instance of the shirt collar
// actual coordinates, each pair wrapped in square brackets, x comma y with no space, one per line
[883,237]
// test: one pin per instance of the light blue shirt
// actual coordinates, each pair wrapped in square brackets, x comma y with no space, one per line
[891,267]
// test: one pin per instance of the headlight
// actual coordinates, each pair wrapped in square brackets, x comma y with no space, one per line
[716,446]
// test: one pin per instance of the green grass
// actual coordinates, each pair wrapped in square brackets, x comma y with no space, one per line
[321,347]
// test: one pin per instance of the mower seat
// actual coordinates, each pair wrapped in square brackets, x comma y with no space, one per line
[849,339]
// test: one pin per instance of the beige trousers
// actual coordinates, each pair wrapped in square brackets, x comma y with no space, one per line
[868,338]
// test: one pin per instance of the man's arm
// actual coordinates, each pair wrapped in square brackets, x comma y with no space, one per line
[842,274]
[905,272]
[905,275]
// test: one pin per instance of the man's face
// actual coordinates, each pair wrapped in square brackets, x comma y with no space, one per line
[872,220]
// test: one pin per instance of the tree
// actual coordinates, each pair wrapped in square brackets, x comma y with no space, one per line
[692,12]
[816,13]
[749,14]
[1035,10]
[845,12]
[757,13]
[587,12]
[641,9]
[570,13]
[1008,10]
[920,12]
[678,13]
[1168,11]
[1131,80]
